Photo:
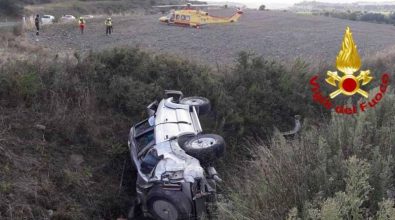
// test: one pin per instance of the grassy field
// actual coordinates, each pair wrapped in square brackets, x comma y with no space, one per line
[273,35]
[13,9]
[78,8]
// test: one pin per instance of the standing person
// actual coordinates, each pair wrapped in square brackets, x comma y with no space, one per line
[37,23]
[82,24]
[108,24]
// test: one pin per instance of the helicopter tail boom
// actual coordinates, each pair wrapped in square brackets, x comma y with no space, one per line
[219,20]
[236,16]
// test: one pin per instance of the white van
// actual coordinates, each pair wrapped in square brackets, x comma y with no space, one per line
[47,19]
[67,18]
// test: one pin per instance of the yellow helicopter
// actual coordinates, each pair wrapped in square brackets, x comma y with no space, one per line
[191,16]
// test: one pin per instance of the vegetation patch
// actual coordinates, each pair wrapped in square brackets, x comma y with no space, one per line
[374,17]
[64,126]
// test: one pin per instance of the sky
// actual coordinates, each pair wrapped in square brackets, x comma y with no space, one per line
[276,4]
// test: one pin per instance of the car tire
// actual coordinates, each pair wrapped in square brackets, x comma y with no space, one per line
[204,147]
[202,104]
[168,204]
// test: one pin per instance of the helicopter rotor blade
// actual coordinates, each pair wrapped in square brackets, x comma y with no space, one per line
[201,5]
[167,6]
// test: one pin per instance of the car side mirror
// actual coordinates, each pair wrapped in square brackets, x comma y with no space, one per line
[296,129]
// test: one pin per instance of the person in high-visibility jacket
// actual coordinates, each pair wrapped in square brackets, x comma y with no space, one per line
[81,22]
[108,24]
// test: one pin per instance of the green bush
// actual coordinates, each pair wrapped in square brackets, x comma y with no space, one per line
[10,7]
[348,204]
[318,172]
[386,210]
[88,106]
[256,96]
[362,16]
[52,110]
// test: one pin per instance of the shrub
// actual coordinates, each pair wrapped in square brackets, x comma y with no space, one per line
[10,7]
[362,16]
[318,172]
[17,30]
[262,94]
[386,210]
[375,17]
[87,106]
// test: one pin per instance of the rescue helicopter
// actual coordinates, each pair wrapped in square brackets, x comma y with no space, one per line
[191,15]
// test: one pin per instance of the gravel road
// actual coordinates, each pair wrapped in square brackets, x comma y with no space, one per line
[272,34]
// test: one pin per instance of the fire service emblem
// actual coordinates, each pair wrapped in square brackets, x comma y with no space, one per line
[348,62]
[349,81]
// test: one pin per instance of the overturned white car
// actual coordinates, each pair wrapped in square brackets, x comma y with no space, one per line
[176,179]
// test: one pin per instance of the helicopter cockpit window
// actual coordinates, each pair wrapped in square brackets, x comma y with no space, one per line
[171,18]
[171,15]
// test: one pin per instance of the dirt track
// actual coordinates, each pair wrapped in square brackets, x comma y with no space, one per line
[280,35]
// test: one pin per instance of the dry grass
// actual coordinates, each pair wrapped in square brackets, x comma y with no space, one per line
[383,61]
[15,46]
[78,8]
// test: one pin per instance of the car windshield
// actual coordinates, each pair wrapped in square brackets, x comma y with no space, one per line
[144,139]
[141,127]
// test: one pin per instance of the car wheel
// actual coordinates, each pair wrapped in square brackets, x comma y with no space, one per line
[204,147]
[168,204]
[202,104]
